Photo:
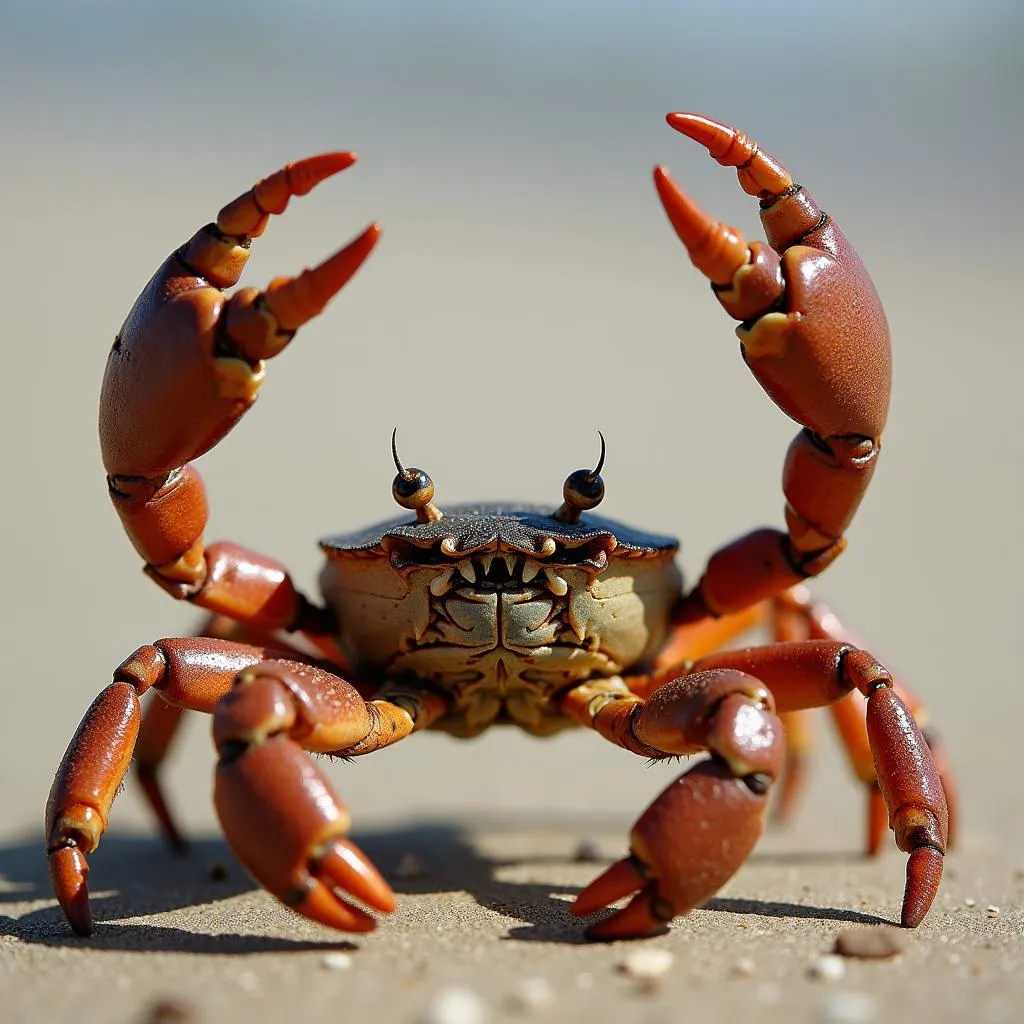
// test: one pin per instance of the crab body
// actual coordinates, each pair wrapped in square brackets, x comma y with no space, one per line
[500,607]
[460,617]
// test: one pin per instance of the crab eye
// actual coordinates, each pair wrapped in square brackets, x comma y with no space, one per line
[582,490]
[412,488]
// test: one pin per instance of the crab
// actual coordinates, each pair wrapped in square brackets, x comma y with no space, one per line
[462,618]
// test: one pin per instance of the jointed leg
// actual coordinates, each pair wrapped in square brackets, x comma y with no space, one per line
[796,612]
[701,829]
[275,705]
[161,720]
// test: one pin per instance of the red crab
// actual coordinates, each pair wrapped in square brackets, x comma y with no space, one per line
[540,617]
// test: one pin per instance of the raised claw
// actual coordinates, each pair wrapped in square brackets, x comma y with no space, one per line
[287,827]
[186,346]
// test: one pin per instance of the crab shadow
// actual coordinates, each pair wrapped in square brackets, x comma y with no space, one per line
[137,877]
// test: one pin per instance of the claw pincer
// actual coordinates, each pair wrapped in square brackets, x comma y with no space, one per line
[698,831]
[277,808]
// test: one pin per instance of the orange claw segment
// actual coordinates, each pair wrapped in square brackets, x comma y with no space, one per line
[637,919]
[760,174]
[294,301]
[321,903]
[622,878]
[247,215]
[715,249]
[349,869]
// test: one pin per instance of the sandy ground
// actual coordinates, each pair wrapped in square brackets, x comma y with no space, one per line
[527,292]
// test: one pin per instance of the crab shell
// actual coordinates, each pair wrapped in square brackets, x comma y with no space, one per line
[500,606]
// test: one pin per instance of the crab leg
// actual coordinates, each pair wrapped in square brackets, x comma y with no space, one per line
[161,721]
[186,365]
[699,831]
[850,718]
[190,673]
[814,334]
[279,812]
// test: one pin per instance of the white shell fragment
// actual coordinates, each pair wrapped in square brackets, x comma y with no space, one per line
[829,967]
[648,965]
[455,1005]
[336,961]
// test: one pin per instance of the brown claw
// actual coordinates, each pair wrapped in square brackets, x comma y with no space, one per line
[287,827]
[685,847]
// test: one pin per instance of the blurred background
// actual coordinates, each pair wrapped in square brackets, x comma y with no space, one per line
[527,292]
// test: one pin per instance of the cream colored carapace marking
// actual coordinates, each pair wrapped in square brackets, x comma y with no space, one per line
[501,654]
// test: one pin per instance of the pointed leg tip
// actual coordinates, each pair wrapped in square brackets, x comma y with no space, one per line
[68,875]
[924,873]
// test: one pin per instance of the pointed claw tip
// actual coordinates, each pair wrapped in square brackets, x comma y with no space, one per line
[694,126]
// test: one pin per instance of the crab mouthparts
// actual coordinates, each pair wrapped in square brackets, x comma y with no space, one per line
[509,571]
[491,571]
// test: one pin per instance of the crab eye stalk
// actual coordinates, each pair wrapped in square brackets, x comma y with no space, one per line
[412,488]
[582,490]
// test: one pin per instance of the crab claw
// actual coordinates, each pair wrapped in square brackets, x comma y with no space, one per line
[287,827]
[760,174]
[684,848]
[715,249]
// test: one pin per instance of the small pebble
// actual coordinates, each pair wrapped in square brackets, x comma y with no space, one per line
[168,1011]
[336,961]
[968,902]
[848,1008]
[647,965]
[992,911]
[532,994]
[744,967]
[827,968]
[455,1005]
[587,852]
[869,943]
[410,866]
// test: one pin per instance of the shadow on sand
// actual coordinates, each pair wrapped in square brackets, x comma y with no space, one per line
[133,876]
